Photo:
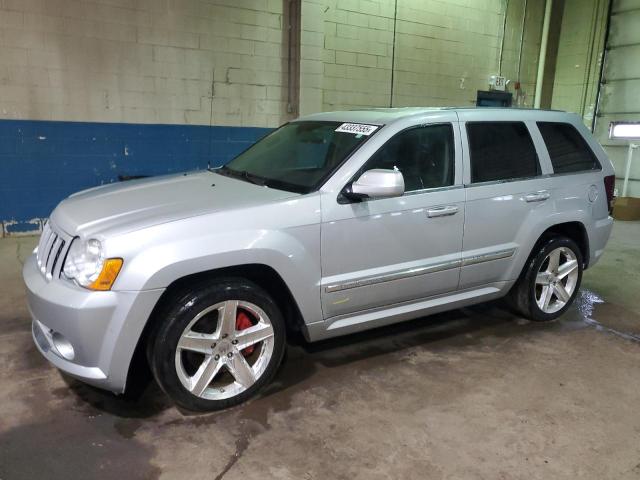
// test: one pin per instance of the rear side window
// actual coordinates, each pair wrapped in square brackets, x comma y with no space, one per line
[501,151]
[568,150]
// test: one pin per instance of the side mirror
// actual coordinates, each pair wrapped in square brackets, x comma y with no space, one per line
[377,183]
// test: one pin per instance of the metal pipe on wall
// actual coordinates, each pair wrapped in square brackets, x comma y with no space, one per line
[543,53]
[627,170]
[524,19]
[589,62]
[603,59]
[504,30]
[393,52]
[293,19]
[519,96]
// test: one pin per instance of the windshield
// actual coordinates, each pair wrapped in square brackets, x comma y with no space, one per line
[298,156]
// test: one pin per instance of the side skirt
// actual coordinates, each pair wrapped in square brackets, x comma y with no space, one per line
[365,320]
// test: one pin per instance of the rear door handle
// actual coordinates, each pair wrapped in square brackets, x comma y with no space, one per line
[442,211]
[540,196]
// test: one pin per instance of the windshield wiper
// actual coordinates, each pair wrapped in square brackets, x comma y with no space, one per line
[255,179]
[258,180]
[242,174]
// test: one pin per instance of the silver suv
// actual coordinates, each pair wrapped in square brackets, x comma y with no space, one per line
[332,224]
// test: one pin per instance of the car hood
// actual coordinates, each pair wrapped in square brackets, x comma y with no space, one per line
[138,204]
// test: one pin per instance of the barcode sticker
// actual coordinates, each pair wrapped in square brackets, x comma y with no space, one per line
[357,128]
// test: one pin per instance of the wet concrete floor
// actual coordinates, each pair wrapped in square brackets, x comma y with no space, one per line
[471,394]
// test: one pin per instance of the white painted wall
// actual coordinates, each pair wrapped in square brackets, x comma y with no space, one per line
[148,61]
[445,50]
[223,62]
[579,57]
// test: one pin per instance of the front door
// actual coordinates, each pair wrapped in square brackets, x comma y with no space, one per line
[380,252]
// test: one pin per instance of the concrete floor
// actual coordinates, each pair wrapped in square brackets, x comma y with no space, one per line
[471,394]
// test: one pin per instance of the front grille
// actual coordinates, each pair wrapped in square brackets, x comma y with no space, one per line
[52,251]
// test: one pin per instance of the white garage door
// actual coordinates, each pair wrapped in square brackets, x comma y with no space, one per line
[620,91]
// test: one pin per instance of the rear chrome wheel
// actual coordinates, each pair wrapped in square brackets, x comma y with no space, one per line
[550,280]
[556,280]
[223,362]
[217,345]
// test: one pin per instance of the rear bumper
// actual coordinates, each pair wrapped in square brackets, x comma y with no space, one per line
[103,328]
[598,237]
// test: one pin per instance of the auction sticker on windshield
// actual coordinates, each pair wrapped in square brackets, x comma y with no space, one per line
[357,128]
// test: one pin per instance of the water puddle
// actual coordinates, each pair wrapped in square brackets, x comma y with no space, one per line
[588,302]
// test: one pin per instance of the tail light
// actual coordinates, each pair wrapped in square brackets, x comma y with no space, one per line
[609,186]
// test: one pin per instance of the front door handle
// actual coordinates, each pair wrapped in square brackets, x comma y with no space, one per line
[442,211]
[540,196]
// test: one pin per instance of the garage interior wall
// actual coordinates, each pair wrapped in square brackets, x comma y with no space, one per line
[94,90]
[445,50]
[580,48]
[97,90]
[620,90]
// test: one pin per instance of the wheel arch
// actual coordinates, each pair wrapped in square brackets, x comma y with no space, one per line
[575,230]
[519,296]
[262,275]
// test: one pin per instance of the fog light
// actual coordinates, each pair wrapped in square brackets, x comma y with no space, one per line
[62,346]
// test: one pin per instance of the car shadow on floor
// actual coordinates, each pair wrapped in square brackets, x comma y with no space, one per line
[484,324]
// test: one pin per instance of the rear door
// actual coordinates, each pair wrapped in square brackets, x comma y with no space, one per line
[507,188]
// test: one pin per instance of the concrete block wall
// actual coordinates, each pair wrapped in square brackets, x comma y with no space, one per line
[81,81]
[456,48]
[312,56]
[143,61]
[358,43]
[445,50]
[91,90]
[522,46]
[580,50]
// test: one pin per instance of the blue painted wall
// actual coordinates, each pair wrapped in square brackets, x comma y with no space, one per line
[42,162]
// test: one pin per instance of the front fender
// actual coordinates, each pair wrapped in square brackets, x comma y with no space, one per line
[156,257]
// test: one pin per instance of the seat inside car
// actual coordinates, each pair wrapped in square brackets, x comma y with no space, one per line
[421,154]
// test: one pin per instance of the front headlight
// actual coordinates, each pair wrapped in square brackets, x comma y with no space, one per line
[86,265]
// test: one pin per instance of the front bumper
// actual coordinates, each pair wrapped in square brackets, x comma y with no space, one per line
[102,327]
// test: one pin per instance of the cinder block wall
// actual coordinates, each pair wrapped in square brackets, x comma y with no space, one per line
[580,50]
[144,61]
[522,46]
[444,51]
[459,47]
[93,90]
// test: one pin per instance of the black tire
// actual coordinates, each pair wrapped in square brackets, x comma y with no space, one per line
[522,296]
[180,310]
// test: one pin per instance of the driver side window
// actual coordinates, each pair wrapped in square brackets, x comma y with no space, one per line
[425,155]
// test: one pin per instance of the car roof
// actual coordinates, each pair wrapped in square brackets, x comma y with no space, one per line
[385,116]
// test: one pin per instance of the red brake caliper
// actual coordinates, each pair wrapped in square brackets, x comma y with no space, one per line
[243,322]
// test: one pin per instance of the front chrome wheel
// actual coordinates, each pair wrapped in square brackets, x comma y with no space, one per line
[556,280]
[224,350]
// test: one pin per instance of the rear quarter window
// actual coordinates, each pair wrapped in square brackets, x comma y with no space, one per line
[501,151]
[567,148]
